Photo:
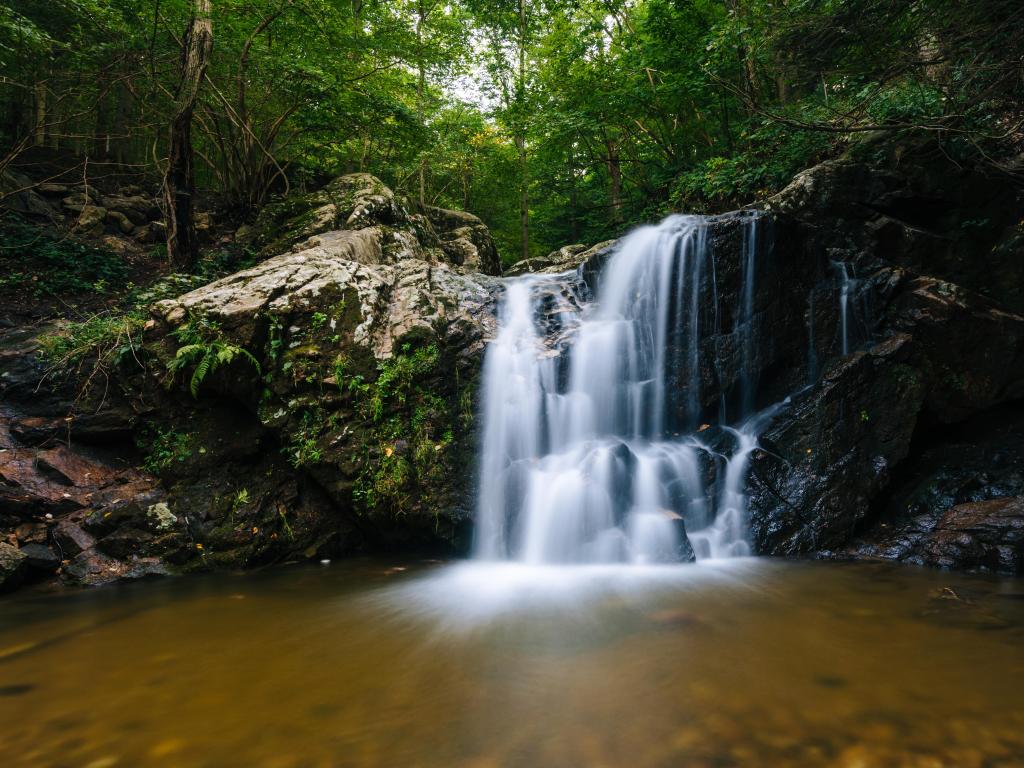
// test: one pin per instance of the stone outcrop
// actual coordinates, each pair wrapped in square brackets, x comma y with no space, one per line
[346,423]
[465,240]
[362,203]
[927,354]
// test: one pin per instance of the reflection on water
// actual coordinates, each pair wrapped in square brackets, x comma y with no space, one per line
[745,663]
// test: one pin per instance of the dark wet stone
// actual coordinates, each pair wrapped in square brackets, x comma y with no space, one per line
[72,539]
[41,557]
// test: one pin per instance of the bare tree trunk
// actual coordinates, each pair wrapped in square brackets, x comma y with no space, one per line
[421,87]
[524,181]
[40,127]
[179,181]
[614,163]
[574,216]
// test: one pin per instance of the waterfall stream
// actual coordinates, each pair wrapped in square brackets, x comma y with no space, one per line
[593,450]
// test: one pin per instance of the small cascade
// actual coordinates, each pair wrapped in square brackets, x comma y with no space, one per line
[853,307]
[593,449]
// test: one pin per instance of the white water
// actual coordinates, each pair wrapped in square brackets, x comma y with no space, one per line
[849,292]
[592,449]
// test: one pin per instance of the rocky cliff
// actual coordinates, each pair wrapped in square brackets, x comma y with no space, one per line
[323,401]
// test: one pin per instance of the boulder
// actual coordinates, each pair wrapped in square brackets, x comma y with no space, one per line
[929,352]
[351,202]
[21,195]
[40,557]
[962,467]
[465,239]
[121,221]
[13,566]
[89,220]
[987,535]
[71,539]
[566,258]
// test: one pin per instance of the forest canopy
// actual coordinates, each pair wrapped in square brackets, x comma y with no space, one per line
[554,121]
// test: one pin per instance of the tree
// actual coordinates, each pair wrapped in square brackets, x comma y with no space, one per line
[179,187]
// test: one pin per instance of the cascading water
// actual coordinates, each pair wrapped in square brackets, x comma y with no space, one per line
[592,449]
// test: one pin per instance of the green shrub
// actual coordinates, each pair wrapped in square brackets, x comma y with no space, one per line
[106,338]
[168,447]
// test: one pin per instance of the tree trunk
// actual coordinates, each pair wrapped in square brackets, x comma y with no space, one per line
[179,181]
[574,217]
[421,87]
[524,197]
[40,127]
[524,181]
[615,174]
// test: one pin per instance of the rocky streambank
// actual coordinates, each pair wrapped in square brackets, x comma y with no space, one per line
[316,404]
[324,401]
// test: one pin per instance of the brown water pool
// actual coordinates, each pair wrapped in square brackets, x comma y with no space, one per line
[745,663]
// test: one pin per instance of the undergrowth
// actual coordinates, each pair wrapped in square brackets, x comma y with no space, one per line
[45,263]
[203,350]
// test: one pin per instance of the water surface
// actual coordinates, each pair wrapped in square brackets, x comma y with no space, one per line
[738,663]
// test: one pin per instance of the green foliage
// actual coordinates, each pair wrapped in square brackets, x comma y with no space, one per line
[411,427]
[397,378]
[103,338]
[594,114]
[45,263]
[303,449]
[203,351]
[168,448]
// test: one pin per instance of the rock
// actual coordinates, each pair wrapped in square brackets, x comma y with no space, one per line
[565,259]
[93,568]
[13,566]
[986,535]
[122,222]
[72,539]
[125,542]
[160,517]
[78,200]
[52,189]
[20,195]
[149,233]
[325,320]
[931,352]
[136,208]
[383,303]
[466,240]
[90,220]
[979,461]
[40,557]
[351,202]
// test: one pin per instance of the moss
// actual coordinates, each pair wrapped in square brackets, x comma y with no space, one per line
[413,417]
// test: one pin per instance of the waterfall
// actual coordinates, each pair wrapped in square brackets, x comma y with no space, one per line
[845,285]
[593,449]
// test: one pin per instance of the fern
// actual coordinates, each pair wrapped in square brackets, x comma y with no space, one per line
[204,354]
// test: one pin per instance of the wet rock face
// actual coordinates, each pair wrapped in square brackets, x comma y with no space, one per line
[932,353]
[957,503]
